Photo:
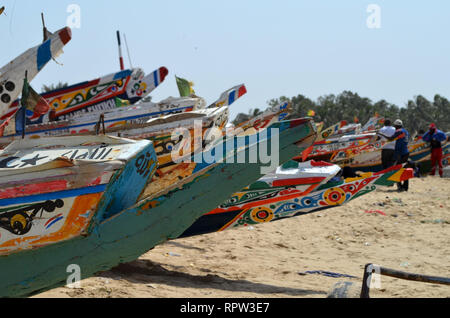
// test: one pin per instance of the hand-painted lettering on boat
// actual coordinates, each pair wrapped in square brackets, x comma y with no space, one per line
[144,164]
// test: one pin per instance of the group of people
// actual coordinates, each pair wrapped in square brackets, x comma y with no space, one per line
[395,151]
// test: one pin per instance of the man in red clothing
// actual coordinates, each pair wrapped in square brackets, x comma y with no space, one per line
[435,137]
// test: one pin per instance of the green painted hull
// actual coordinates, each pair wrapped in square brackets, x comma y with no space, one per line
[129,234]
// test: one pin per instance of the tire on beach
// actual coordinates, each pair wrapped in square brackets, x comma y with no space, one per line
[345,290]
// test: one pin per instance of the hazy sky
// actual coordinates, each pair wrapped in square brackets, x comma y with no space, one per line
[276,48]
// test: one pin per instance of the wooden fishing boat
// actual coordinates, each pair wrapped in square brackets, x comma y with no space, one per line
[343,140]
[86,123]
[291,180]
[49,190]
[327,149]
[131,120]
[126,235]
[97,95]
[31,62]
[370,160]
[291,203]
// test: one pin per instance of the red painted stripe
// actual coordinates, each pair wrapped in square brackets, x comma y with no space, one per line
[163,72]
[71,89]
[65,35]
[242,91]
[55,217]
[35,188]
[307,152]
[94,102]
[320,163]
[297,181]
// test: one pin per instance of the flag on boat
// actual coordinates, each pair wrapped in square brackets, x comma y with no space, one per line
[31,102]
[311,113]
[184,87]
[122,102]
[356,120]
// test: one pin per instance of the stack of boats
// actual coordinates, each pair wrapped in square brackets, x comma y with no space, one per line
[361,148]
[95,182]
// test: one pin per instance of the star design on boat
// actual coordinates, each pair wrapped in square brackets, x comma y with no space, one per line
[32,161]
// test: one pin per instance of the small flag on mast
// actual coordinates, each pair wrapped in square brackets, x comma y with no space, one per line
[30,101]
[184,87]
[311,113]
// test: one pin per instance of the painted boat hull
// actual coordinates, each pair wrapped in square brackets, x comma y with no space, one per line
[327,196]
[97,95]
[32,61]
[46,201]
[419,152]
[132,232]
[118,118]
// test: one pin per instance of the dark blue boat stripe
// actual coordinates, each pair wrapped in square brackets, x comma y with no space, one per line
[155,78]
[44,54]
[122,74]
[53,195]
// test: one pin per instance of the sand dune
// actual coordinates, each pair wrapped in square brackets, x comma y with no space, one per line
[264,261]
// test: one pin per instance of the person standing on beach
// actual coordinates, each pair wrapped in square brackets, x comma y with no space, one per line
[401,153]
[388,149]
[435,137]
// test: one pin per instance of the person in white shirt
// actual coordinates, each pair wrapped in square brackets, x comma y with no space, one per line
[388,150]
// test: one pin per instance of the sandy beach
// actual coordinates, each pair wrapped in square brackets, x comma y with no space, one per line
[409,232]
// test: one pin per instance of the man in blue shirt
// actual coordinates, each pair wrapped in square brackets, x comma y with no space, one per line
[401,155]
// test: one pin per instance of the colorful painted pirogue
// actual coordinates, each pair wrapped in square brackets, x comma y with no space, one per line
[343,140]
[49,189]
[291,180]
[256,206]
[327,149]
[97,95]
[122,118]
[32,61]
[110,240]
[419,152]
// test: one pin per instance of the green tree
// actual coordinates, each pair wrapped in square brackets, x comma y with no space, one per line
[52,87]
[416,115]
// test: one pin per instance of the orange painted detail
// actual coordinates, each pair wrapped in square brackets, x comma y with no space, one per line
[75,223]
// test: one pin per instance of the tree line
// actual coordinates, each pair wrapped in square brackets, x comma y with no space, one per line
[330,109]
